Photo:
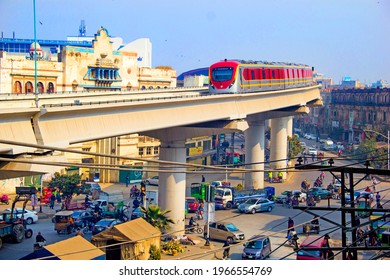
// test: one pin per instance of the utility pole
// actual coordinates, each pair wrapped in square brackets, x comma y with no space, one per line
[348,251]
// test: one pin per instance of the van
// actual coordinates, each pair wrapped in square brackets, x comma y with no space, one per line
[313,241]
[257,249]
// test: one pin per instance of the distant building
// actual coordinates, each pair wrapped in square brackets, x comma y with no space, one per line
[195,77]
[324,82]
[381,84]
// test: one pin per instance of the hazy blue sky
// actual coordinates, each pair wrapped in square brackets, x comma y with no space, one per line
[338,37]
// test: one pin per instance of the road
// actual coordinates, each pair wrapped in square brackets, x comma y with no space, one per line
[273,224]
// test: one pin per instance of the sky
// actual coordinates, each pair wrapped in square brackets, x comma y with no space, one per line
[338,38]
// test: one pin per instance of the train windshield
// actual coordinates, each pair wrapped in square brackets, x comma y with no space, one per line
[222,74]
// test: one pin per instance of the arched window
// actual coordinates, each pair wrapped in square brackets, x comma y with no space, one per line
[50,87]
[18,87]
[29,87]
[41,88]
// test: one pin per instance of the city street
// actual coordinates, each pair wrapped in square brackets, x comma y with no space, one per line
[273,224]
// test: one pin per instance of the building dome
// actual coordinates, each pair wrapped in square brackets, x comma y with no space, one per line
[32,47]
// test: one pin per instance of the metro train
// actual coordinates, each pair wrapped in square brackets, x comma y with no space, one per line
[239,76]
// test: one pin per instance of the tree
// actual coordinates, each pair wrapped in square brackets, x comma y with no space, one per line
[156,217]
[294,146]
[67,185]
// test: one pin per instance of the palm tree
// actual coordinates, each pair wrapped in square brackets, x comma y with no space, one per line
[156,217]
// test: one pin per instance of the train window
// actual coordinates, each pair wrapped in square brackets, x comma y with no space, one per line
[273,74]
[263,74]
[253,74]
[222,74]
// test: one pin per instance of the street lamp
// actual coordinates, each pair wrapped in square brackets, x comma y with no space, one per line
[35,59]
[388,144]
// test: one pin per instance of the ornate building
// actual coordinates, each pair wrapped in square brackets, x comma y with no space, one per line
[98,66]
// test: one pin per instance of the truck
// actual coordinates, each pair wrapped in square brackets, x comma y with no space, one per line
[12,227]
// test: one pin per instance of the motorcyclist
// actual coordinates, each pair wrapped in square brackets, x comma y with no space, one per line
[192,224]
[40,240]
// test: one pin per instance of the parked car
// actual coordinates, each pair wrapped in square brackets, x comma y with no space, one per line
[257,249]
[225,231]
[104,224]
[192,203]
[152,181]
[303,145]
[81,218]
[29,216]
[254,205]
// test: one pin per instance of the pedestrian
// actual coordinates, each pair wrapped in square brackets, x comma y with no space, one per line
[203,179]
[270,176]
[378,199]
[52,200]
[34,201]
[290,226]
[127,180]
[312,157]
[200,210]
[58,197]
[226,251]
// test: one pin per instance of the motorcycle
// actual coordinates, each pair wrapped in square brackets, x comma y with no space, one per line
[4,199]
[195,228]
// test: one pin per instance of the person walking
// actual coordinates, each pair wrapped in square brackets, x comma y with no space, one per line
[290,226]
[52,200]
[127,180]
[34,201]
[203,179]
[226,251]
[378,200]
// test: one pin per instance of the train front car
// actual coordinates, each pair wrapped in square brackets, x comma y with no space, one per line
[223,77]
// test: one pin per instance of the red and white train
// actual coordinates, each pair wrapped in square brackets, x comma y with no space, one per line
[237,76]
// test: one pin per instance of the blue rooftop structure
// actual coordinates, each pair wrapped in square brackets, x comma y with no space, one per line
[195,72]
[23,45]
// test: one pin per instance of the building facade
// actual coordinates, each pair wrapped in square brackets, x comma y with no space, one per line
[96,66]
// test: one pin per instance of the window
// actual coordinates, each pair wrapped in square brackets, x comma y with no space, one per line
[148,150]
[156,150]
[222,74]
[263,74]
[18,87]
[140,151]
[29,87]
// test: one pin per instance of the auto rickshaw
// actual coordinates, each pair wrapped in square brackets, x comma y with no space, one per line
[63,222]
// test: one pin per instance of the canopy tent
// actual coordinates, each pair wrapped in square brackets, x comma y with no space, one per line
[130,240]
[74,248]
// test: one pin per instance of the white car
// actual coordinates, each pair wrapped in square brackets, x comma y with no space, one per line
[312,151]
[29,216]
[152,181]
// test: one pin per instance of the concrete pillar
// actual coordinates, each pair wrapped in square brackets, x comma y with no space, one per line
[278,149]
[172,186]
[254,143]
[289,126]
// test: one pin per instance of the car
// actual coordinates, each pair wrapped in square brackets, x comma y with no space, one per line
[193,204]
[303,145]
[104,224]
[223,231]
[312,151]
[91,187]
[257,249]
[83,217]
[319,192]
[29,216]
[152,181]
[253,205]
[301,196]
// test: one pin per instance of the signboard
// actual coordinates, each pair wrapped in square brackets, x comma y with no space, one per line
[194,151]
[209,212]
